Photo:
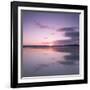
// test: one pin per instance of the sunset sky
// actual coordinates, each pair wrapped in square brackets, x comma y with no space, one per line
[49,28]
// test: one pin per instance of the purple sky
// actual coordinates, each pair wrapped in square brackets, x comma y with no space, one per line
[49,28]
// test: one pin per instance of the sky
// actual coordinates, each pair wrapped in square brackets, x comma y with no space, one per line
[49,28]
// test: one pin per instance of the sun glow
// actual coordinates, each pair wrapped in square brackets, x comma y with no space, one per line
[50,44]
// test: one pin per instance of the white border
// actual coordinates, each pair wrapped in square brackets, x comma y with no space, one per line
[52,78]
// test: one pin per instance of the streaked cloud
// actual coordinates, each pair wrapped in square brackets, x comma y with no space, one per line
[66,42]
[68,29]
[72,33]
[43,26]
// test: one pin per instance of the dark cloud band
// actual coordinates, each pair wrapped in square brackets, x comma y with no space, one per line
[68,29]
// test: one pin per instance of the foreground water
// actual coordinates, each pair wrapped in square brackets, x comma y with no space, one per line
[47,61]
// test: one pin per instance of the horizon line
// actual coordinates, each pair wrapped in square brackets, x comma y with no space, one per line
[49,45]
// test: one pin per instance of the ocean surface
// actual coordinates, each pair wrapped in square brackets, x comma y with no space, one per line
[50,61]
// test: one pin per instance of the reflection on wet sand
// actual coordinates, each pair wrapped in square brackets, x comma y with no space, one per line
[46,61]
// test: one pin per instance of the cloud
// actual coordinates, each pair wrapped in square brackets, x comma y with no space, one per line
[72,33]
[42,25]
[66,42]
[74,39]
[68,29]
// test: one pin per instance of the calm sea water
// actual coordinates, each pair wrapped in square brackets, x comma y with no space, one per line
[47,61]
